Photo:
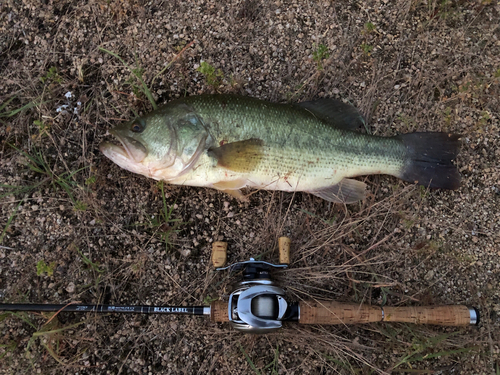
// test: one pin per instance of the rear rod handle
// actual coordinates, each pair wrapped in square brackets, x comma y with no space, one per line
[317,312]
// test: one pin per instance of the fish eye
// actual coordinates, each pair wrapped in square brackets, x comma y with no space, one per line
[138,126]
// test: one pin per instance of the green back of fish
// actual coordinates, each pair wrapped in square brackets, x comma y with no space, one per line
[297,136]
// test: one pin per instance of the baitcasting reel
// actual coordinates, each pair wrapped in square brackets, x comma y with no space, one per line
[257,305]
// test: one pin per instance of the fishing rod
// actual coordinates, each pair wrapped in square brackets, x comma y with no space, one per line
[258,305]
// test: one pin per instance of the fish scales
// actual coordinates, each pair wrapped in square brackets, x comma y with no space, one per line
[307,151]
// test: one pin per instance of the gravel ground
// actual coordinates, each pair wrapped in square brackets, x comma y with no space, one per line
[78,228]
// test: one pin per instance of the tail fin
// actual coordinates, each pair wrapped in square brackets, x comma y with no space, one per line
[430,159]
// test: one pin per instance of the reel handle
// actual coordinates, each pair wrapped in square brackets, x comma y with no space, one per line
[312,312]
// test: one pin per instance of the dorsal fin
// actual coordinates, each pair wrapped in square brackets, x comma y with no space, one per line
[336,113]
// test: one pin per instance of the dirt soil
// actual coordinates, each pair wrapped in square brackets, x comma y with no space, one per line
[76,227]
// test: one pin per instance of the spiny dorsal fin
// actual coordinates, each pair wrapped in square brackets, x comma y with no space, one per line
[241,156]
[346,191]
[336,113]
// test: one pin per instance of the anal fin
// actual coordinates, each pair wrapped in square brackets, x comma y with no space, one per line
[346,191]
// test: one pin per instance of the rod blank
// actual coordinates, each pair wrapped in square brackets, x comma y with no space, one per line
[141,309]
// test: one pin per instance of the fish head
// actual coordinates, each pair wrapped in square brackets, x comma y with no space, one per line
[162,145]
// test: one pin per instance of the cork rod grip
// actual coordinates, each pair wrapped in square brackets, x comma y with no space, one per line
[312,312]
[218,312]
[438,315]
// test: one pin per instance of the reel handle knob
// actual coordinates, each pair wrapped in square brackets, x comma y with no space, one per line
[284,247]
[219,254]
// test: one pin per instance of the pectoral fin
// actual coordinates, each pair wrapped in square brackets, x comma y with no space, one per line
[346,191]
[336,113]
[242,156]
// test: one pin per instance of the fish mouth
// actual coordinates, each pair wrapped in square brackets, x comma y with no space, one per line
[129,148]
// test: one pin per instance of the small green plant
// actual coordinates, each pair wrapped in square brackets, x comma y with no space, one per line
[50,337]
[80,206]
[213,76]
[42,267]
[329,222]
[42,127]
[8,348]
[497,73]
[6,113]
[51,76]
[483,120]
[249,360]
[91,180]
[424,348]
[424,192]
[164,222]
[36,162]
[208,300]
[11,217]
[137,73]
[367,48]
[320,53]
[95,266]
[273,365]
[447,116]
[408,121]
[369,27]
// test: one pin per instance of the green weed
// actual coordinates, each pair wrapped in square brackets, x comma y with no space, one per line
[8,348]
[409,122]
[208,300]
[42,267]
[91,180]
[6,113]
[341,363]
[213,76]
[424,348]
[50,336]
[42,127]
[320,53]
[249,360]
[497,73]
[164,224]
[366,48]
[80,206]
[137,73]
[36,162]
[447,116]
[273,365]
[369,27]
[11,217]
[424,192]
[94,266]
[51,76]
[329,221]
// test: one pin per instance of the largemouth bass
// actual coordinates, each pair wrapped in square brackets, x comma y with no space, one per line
[229,142]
